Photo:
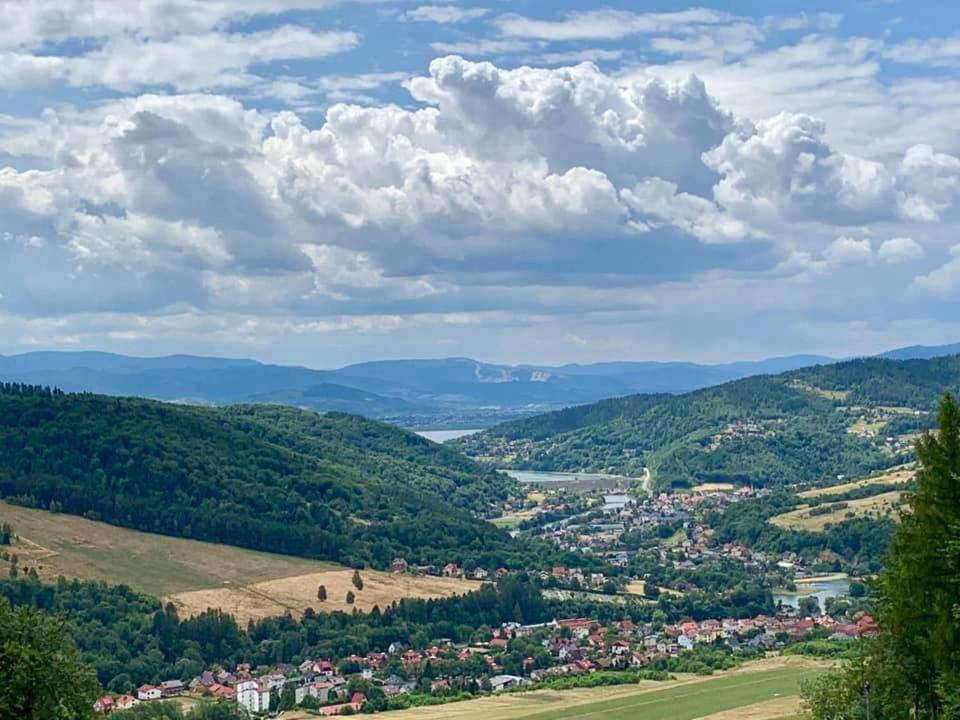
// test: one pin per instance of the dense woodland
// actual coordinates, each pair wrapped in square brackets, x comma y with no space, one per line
[334,487]
[803,416]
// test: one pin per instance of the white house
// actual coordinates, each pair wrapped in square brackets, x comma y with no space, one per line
[499,683]
[253,695]
[148,692]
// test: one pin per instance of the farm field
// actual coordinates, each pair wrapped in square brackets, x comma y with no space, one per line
[902,474]
[767,689]
[801,518]
[196,575]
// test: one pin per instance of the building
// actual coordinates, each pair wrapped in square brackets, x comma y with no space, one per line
[253,695]
[148,692]
[171,688]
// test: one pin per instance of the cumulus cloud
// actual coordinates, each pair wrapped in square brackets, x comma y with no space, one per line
[899,250]
[782,168]
[848,251]
[550,189]
[944,281]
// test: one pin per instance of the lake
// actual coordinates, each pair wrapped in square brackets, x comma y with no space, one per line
[822,591]
[442,436]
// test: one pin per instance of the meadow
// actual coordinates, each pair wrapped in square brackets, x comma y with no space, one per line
[765,690]
[196,575]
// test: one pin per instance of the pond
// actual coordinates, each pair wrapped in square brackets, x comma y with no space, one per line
[822,590]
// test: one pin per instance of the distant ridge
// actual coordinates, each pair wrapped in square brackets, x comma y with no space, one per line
[447,392]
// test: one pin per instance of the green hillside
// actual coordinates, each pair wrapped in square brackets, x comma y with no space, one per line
[334,487]
[804,426]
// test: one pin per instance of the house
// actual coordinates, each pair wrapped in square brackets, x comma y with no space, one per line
[356,702]
[400,565]
[148,692]
[253,695]
[480,574]
[499,683]
[125,702]
[452,570]
[103,704]
[222,691]
[171,688]
[318,690]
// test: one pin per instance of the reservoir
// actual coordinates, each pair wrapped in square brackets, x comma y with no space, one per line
[441,436]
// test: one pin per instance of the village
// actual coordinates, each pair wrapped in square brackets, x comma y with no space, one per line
[561,648]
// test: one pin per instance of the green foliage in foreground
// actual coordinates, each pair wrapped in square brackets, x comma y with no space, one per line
[912,668]
[41,677]
[334,487]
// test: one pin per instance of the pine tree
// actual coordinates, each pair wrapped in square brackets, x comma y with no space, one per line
[322,593]
[357,580]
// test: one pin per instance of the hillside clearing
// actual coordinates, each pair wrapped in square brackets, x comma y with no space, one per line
[196,575]
[801,518]
[687,698]
[899,475]
[295,594]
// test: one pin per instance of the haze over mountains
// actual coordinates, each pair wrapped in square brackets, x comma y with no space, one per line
[451,392]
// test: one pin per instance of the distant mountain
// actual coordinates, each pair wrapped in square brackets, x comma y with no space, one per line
[921,352]
[434,393]
[802,426]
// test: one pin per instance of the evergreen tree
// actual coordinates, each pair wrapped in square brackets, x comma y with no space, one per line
[350,597]
[912,667]
[357,580]
[322,592]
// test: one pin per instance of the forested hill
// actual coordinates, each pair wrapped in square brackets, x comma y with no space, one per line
[334,487]
[806,426]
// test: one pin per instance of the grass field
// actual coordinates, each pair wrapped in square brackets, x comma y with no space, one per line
[197,575]
[901,474]
[764,690]
[801,519]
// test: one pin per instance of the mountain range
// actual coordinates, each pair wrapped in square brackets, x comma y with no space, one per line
[432,393]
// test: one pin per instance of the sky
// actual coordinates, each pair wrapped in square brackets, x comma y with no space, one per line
[322,182]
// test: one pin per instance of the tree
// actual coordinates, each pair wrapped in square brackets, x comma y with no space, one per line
[350,597]
[912,667]
[43,678]
[357,580]
[322,593]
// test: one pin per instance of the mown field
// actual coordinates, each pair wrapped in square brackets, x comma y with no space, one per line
[898,475]
[803,517]
[197,575]
[765,690]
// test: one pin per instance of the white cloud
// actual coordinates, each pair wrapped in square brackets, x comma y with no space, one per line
[445,13]
[606,24]
[486,48]
[899,250]
[848,251]
[783,169]
[937,52]
[186,62]
[944,281]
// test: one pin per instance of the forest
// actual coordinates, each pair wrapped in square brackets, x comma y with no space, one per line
[767,430]
[333,487]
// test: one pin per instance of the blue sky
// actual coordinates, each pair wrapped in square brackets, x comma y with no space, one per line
[322,182]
